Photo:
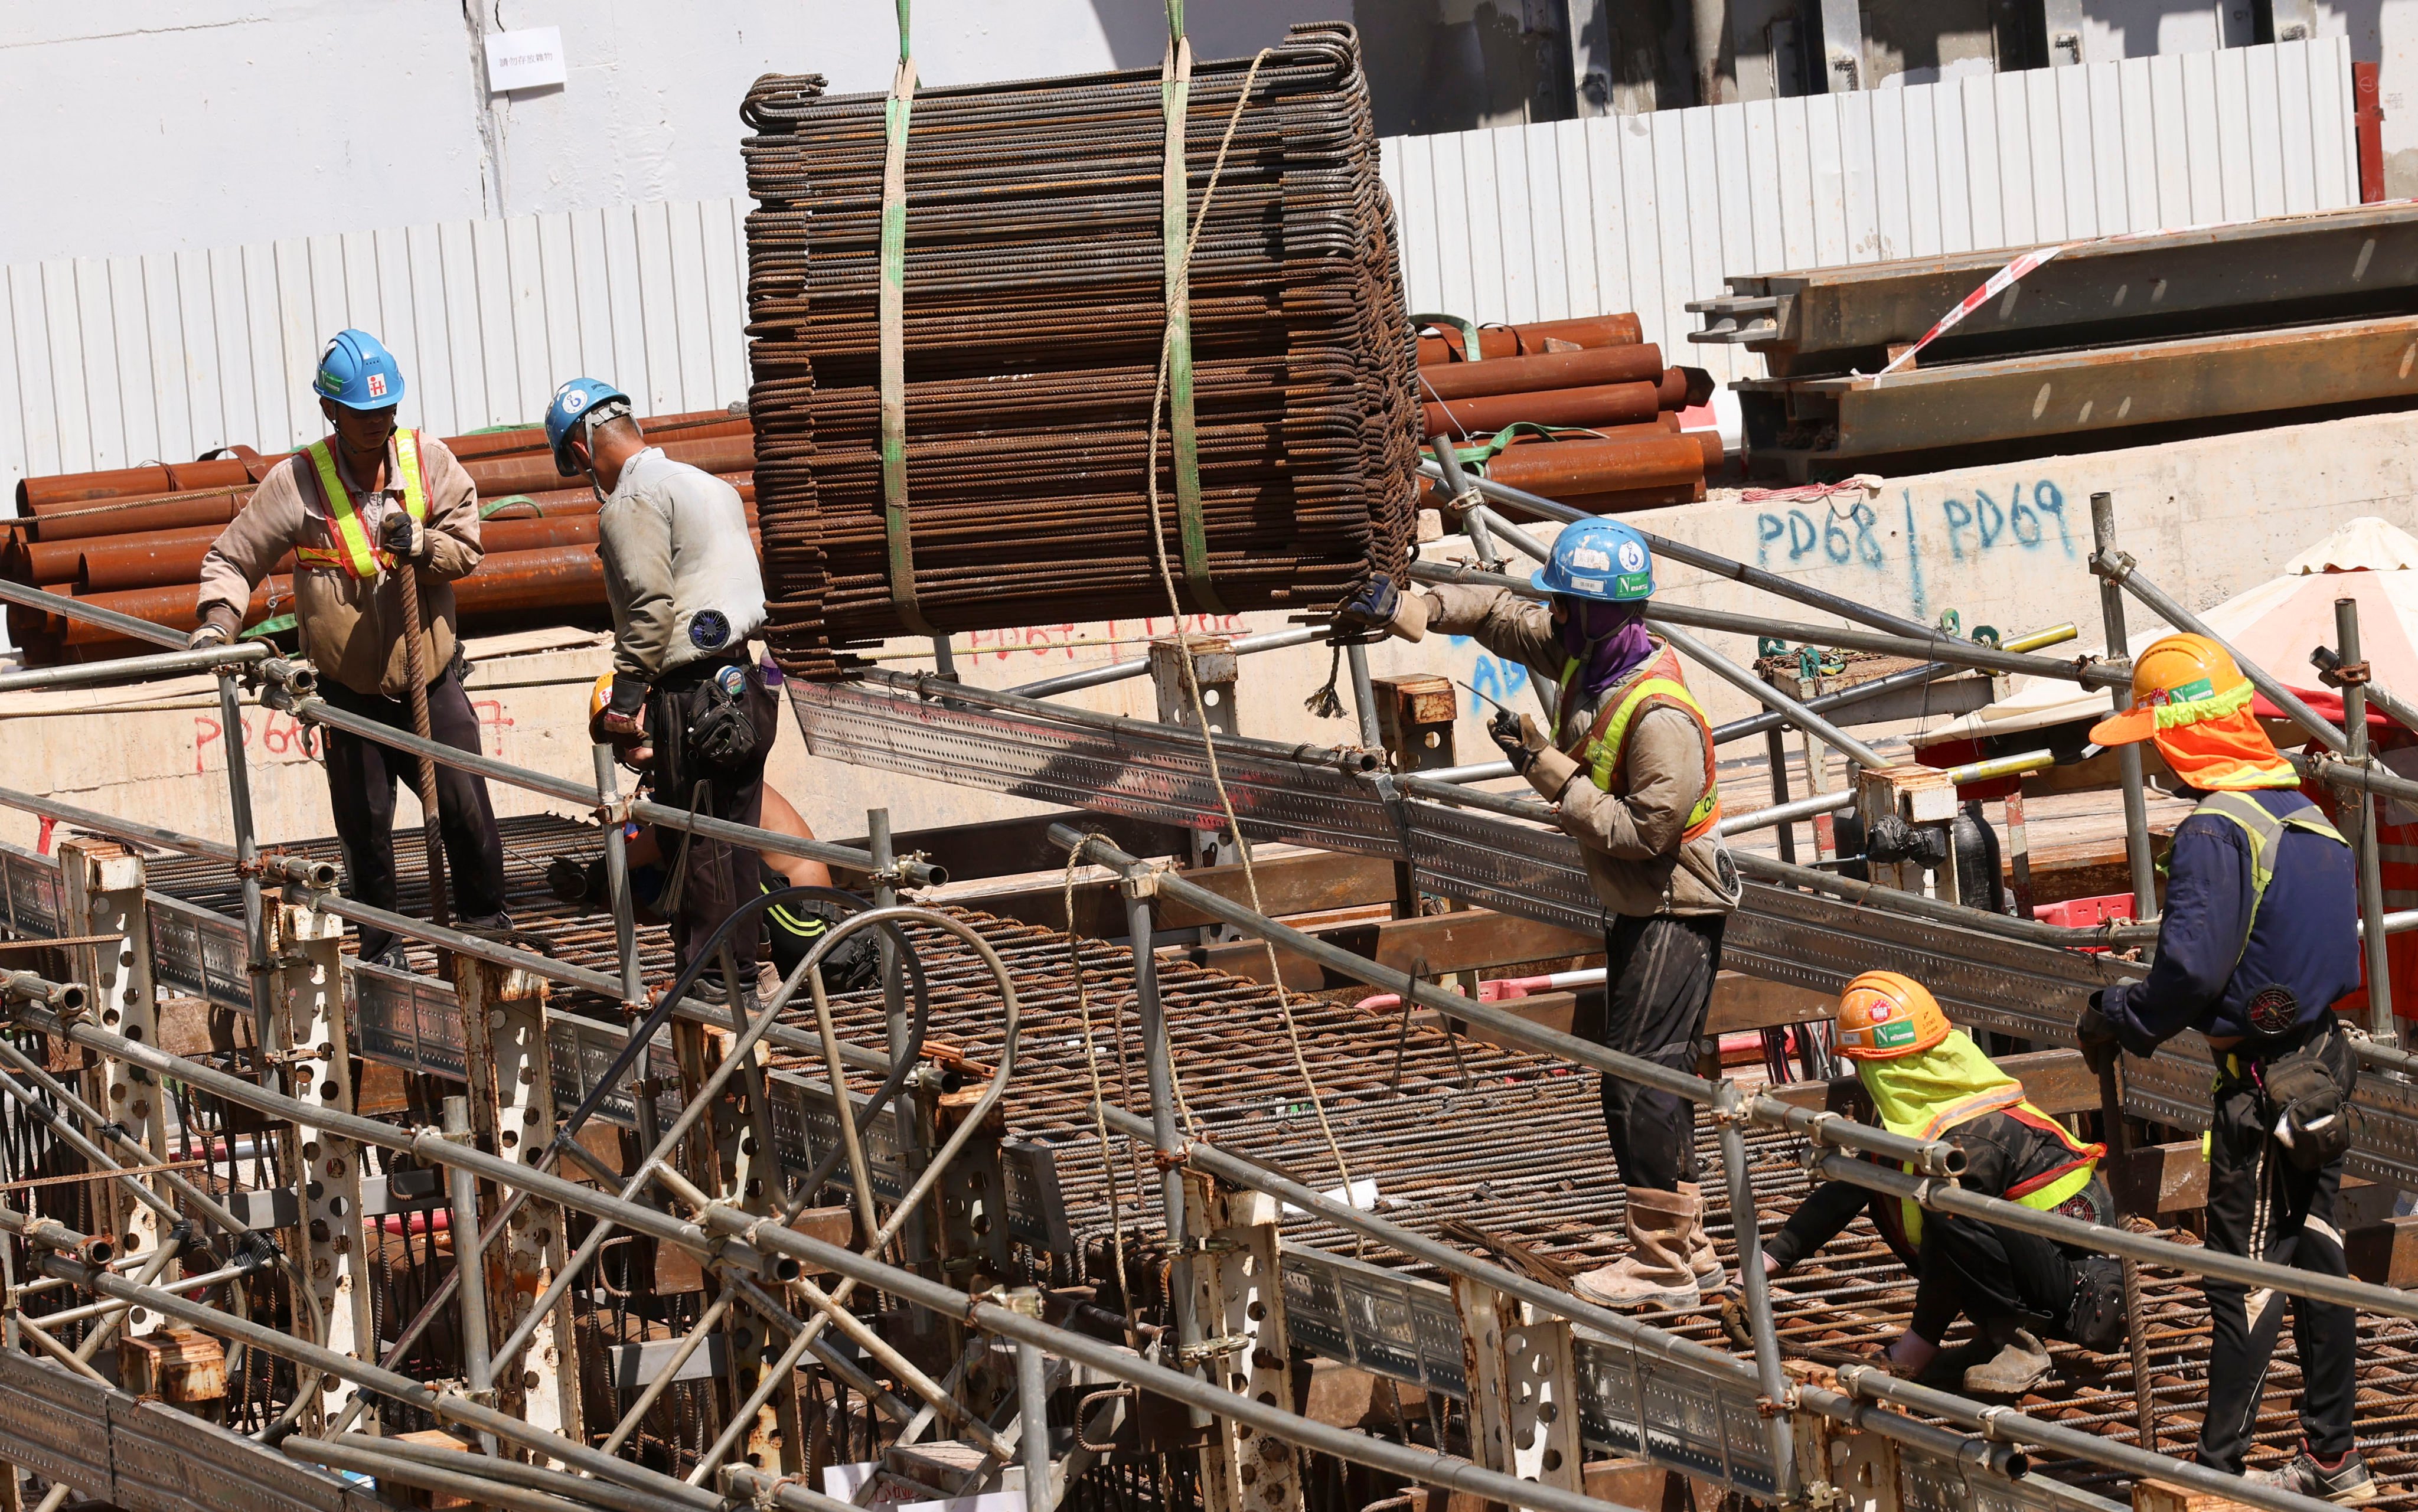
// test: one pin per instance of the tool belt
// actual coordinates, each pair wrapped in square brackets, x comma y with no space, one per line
[702,708]
[2303,1084]
[2095,1317]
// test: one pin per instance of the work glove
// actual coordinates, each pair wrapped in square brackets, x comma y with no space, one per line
[404,537]
[2100,1050]
[1379,603]
[1521,740]
[206,635]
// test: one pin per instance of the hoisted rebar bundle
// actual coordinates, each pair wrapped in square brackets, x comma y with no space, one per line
[1034,263]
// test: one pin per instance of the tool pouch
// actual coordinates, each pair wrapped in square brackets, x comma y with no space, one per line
[2095,1319]
[2306,1110]
[721,737]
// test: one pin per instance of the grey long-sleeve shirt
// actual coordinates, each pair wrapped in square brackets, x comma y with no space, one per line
[681,572]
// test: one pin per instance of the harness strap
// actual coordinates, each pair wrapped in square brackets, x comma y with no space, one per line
[892,313]
[1175,94]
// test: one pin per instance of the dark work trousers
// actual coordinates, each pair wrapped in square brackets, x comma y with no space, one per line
[1998,1273]
[2263,1206]
[1657,987]
[362,775]
[712,878]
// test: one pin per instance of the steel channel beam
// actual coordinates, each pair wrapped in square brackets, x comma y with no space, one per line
[2105,388]
[1832,317]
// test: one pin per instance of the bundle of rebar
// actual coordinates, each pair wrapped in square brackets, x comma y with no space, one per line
[1035,310]
[1578,410]
[132,538]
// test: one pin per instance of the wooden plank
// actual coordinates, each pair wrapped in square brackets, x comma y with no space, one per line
[2385,1253]
[2160,1179]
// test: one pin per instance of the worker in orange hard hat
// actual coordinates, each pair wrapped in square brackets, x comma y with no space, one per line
[1929,1081]
[2258,938]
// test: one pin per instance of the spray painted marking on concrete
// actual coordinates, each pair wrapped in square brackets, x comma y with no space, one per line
[1984,525]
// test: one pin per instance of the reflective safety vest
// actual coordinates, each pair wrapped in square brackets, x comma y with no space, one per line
[2263,830]
[2046,1192]
[354,551]
[1602,753]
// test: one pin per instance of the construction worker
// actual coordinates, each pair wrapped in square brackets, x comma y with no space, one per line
[791,929]
[1928,1081]
[1629,767]
[686,591]
[2260,938]
[353,511]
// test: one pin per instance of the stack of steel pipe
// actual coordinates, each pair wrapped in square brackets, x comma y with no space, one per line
[132,538]
[1605,409]
[1032,324]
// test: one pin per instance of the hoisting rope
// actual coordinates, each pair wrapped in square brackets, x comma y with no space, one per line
[1175,190]
[1167,349]
[892,312]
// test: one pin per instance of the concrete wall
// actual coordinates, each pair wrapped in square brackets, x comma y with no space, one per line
[146,126]
[2004,546]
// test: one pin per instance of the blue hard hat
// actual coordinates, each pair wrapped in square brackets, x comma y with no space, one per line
[572,401]
[1598,559]
[358,373]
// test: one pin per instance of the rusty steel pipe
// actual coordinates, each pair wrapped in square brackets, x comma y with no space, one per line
[1565,468]
[117,565]
[1607,404]
[1522,341]
[1584,368]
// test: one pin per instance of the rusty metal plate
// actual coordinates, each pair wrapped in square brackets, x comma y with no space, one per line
[168,1461]
[56,1424]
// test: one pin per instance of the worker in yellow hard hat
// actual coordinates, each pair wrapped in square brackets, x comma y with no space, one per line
[2258,938]
[1929,1081]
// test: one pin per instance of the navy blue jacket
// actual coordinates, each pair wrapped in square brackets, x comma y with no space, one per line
[2305,938]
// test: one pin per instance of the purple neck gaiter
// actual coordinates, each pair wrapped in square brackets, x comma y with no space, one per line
[1609,640]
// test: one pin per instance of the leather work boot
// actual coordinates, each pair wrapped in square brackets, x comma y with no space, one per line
[1702,1259]
[2021,1363]
[1655,1272]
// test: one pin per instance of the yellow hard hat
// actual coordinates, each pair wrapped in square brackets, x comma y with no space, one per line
[598,697]
[1884,1015]
[2180,679]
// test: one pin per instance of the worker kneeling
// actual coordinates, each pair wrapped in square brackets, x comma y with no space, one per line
[1928,1081]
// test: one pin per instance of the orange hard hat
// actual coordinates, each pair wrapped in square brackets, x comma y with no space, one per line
[2181,679]
[1884,1015]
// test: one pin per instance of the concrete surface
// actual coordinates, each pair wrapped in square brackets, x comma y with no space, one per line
[2004,546]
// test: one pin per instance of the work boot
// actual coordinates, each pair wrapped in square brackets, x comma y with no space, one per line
[1655,1272]
[1702,1259]
[2347,1483]
[2021,1363]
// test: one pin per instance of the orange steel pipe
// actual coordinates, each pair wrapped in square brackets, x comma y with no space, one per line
[114,566]
[1566,469]
[1523,341]
[1639,362]
[1605,404]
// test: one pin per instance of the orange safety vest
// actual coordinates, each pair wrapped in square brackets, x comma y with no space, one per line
[354,552]
[1604,751]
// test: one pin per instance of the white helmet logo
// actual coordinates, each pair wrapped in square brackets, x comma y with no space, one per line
[1632,556]
[1588,558]
[573,402]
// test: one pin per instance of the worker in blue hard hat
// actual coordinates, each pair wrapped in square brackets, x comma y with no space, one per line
[686,591]
[355,511]
[1628,765]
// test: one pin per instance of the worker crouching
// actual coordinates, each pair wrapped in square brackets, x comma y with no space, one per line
[1928,1081]
[2258,938]
[1630,769]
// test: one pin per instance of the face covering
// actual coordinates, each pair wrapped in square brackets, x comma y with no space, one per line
[1608,639]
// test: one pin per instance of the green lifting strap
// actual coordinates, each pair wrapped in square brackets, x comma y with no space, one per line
[1175,94]
[1468,327]
[892,311]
